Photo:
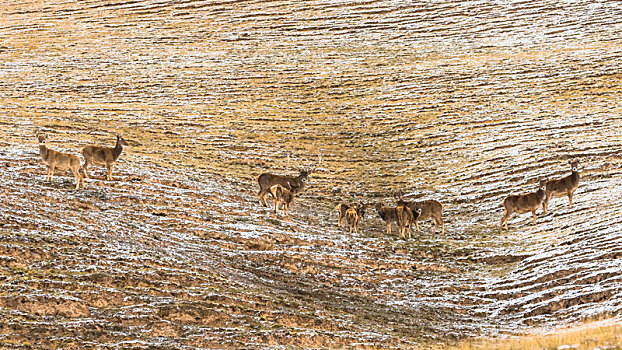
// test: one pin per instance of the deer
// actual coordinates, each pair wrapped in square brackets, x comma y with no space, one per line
[387,214]
[343,208]
[523,203]
[294,184]
[427,209]
[341,213]
[99,155]
[405,218]
[282,195]
[562,187]
[58,160]
[353,215]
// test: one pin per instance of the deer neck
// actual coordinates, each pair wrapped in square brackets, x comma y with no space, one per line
[116,151]
[43,151]
[575,176]
[382,214]
[540,195]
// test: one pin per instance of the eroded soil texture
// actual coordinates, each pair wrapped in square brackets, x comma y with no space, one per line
[461,102]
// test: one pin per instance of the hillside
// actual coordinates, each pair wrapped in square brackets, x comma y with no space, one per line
[462,102]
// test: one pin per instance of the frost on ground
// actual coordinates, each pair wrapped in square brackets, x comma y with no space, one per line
[462,102]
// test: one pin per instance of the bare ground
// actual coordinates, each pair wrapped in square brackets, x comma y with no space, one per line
[461,102]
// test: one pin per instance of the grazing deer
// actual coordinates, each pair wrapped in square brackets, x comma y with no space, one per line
[98,155]
[562,187]
[281,195]
[405,220]
[428,209]
[58,160]
[523,203]
[387,214]
[294,184]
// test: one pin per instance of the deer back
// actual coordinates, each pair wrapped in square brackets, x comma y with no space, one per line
[404,215]
[282,194]
[104,155]
[387,214]
[523,203]
[342,208]
[427,209]
[352,215]
[59,160]
[292,183]
[565,184]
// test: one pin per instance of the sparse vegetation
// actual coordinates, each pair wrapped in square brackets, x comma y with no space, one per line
[460,102]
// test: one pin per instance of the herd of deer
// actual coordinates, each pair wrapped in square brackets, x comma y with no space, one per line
[95,155]
[284,188]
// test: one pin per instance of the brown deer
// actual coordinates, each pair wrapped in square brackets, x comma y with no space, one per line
[405,218]
[294,184]
[523,203]
[342,208]
[58,160]
[281,195]
[562,187]
[387,214]
[98,155]
[341,214]
[353,216]
[428,209]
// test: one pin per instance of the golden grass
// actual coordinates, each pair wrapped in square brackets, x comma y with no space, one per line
[597,335]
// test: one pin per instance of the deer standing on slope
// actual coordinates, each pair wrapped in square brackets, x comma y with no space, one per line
[428,209]
[294,184]
[103,156]
[343,208]
[387,214]
[523,203]
[281,195]
[353,216]
[405,219]
[58,160]
[341,213]
[562,187]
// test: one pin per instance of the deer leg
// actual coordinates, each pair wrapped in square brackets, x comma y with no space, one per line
[417,225]
[504,220]
[262,194]
[388,228]
[570,197]
[86,165]
[109,166]
[276,207]
[265,200]
[440,220]
[545,204]
[76,173]
[533,213]
[51,173]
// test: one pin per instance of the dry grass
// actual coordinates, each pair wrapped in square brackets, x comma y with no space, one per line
[598,335]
